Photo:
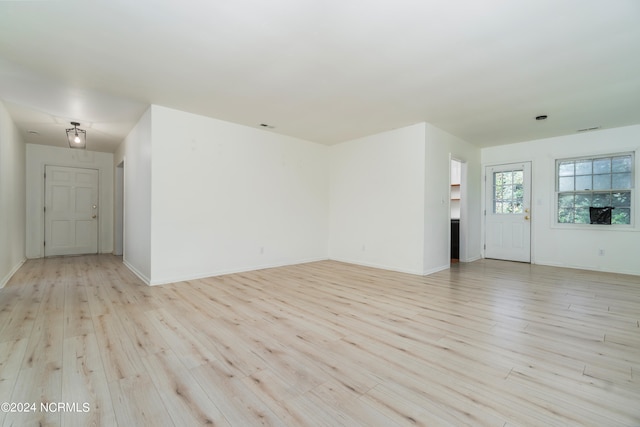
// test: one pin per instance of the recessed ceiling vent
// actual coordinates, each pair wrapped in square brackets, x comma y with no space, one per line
[588,129]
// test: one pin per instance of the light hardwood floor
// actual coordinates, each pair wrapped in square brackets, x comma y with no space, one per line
[321,344]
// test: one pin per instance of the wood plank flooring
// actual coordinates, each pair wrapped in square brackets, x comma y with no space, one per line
[322,344]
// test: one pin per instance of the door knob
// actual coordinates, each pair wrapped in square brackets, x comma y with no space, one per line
[526,217]
[94,217]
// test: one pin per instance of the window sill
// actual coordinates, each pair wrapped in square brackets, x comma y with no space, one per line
[596,227]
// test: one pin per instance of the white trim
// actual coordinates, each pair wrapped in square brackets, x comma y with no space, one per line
[488,206]
[9,275]
[118,208]
[141,276]
[593,227]
[632,226]
[215,273]
[589,268]
[435,270]
[44,203]
[380,266]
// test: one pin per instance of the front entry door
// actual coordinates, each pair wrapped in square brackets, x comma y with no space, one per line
[508,212]
[71,211]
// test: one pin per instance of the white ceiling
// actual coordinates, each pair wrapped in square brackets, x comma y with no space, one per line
[323,70]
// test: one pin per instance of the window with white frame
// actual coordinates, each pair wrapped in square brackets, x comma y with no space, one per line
[595,190]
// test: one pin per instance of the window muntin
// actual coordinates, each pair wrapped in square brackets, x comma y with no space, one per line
[594,182]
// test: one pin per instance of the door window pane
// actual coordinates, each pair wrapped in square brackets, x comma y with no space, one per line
[518,177]
[516,207]
[508,193]
[518,192]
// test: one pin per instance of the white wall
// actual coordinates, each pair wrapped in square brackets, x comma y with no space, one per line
[440,148]
[566,246]
[377,200]
[390,200]
[12,197]
[40,155]
[231,198]
[135,151]
[205,197]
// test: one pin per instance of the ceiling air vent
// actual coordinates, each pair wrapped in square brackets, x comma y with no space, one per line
[588,129]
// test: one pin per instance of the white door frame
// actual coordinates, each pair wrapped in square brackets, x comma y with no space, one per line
[508,236]
[96,210]
[462,256]
[118,229]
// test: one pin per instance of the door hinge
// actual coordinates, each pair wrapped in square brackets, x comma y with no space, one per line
[45,209]
[44,243]
[485,246]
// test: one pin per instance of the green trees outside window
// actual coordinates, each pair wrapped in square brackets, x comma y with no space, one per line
[594,182]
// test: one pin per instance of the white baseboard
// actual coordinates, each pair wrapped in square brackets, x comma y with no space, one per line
[380,266]
[435,270]
[141,276]
[214,273]
[588,267]
[9,275]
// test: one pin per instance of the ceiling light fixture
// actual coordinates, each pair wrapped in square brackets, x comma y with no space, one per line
[77,137]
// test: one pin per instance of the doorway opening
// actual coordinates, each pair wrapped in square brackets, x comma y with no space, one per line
[455,208]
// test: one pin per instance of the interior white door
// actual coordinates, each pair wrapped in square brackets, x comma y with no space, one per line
[508,212]
[71,211]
